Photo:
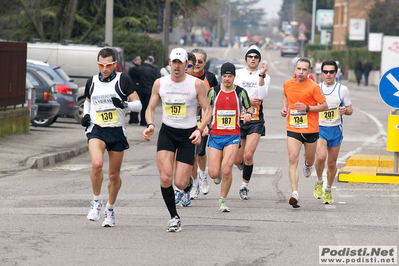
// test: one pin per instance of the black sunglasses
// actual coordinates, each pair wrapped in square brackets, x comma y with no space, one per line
[253,56]
[328,71]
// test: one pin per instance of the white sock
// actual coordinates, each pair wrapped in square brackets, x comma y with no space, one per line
[109,206]
[320,180]
[201,174]
[98,198]
[244,184]
[221,199]
[295,194]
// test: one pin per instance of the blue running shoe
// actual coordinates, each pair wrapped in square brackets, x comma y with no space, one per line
[178,196]
[186,200]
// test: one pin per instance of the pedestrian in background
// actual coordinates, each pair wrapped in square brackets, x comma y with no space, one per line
[367,67]
[134,75]
[358,71]
[318,71]
[147,75]
[166,69]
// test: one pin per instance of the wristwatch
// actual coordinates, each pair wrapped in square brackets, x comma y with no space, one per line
[263,76]
[307,108]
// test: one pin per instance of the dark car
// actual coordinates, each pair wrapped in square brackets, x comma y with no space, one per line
[46,96]
[66,89]
[212,63]
[289,46]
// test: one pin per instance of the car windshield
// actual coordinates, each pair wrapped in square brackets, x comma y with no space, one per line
[290,44]
[62,74]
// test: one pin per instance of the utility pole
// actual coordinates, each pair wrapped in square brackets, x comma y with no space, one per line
[109,22]
[166,31]
[313,21]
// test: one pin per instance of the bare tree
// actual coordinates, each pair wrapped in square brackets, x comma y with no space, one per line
[33,11]
[58,20]
[95,20]
[69,19]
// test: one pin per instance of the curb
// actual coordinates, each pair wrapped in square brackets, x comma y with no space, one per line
[369,169]
[41,161]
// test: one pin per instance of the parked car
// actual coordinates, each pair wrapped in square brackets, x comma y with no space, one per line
[66,89]
[212,63]
[218,69]
[289,46]
[46,96]
[31,99]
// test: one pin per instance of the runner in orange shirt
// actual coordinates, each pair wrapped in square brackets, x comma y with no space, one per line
[302,101]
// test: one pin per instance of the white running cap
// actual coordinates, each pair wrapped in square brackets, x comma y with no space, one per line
[179,53]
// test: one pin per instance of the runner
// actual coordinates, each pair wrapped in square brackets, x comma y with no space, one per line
[211,81]
[302,100]
[227,101]
[180,94]
[329,143]
[104,118]
[256,83]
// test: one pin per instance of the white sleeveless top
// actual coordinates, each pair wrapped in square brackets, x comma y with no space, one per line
[336,95]
[179,102]
[102,111]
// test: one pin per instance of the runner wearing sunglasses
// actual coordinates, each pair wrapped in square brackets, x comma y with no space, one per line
[107,96]
[201,184]
[256,83]
[330,128]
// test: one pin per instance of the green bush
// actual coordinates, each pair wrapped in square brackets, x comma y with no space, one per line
[362,53]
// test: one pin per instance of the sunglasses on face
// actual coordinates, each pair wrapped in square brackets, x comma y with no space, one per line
[328,72]
[107,65]
[189,65]
[200,62]
[253,56]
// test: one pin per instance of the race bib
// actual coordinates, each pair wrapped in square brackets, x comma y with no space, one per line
[298,119]
[254,110]
[106,115]
[198,120]
[331,115]
[175,108]
[226,119]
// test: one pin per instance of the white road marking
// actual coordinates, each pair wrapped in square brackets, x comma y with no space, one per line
[265,170]
[381,133]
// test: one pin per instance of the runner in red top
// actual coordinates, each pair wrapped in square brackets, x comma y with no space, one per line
[226,100]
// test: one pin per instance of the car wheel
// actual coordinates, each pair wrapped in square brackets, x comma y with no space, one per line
[43,122]
[79,114]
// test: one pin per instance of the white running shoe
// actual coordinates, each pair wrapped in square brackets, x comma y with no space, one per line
[204,187]
[174,225]
[244,193]
[94,212]
[307,170]
[109,218]
[195,190]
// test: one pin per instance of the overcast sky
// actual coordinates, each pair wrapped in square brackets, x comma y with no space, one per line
[271,7]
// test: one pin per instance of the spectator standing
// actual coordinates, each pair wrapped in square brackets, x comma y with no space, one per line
[134,75]
[358,71]
[338,77]
[166,69]
[207,36]
[148,73]
[367,67]
[318,70]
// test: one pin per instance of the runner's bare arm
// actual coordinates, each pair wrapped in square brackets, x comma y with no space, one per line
[149,113]
[284,111]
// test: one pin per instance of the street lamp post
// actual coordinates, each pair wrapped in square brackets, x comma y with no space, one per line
[313,21]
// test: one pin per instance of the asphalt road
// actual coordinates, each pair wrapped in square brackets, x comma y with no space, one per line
[44,211]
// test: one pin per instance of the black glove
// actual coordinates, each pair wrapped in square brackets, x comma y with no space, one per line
[85,120]
[118,103]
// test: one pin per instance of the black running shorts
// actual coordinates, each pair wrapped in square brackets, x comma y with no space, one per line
[304,137]
[201,149]
[250,128]
[113,137]
[177,140]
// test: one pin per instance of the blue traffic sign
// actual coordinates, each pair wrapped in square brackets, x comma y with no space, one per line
[389,87]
